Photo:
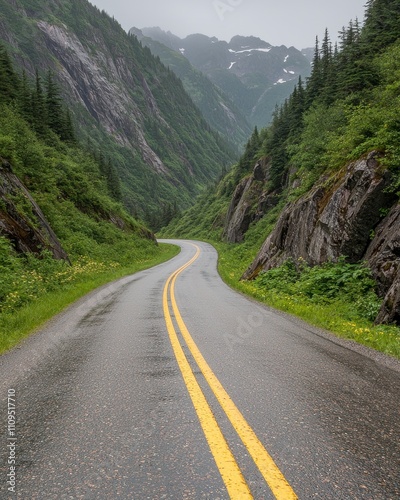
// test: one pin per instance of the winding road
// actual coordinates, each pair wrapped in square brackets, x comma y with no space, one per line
[169,385]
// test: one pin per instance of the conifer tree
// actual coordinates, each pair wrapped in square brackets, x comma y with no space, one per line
[68,133]
[276,145]
[314,82]
[355,70]
[39,107]
[113,181]
[25,99]
[54,108]
[296,109]
[326,67]
[9,80]
[246,162]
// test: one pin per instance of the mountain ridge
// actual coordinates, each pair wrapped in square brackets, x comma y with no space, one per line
[254,74]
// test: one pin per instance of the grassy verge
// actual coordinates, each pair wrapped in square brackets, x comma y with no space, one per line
[18,323]
[337,315]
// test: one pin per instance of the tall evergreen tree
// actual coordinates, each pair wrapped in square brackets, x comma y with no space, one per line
[113,181]
[68,133]
[246,162]
[9,80]
[25,99]
[54,107]
[314,82]
[355,70]
[296,109]
[276,145]
[39,107]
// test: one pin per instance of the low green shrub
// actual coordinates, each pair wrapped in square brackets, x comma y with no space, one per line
[329,283]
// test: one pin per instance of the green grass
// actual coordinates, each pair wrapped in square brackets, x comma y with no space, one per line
[338,316]
[19,323]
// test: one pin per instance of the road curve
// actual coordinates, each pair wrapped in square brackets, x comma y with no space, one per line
[167,384]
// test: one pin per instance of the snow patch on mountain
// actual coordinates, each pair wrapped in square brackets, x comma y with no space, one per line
[249,50]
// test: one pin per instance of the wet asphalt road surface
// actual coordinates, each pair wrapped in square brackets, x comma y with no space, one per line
[103,411]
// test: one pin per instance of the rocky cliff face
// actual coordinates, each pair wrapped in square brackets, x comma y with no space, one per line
[383,255]
[22,221]
[250,201]
[335,218]
[340,216]
[95,81]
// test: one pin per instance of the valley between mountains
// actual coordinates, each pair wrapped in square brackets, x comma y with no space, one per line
[137,169]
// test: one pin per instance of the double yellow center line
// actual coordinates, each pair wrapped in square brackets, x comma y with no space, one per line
[229,469]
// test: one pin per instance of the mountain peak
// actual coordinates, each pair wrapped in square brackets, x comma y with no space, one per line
[250,42]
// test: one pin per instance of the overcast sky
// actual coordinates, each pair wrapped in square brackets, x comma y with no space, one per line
[279,22]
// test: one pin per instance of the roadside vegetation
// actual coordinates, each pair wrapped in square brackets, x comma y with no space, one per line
[348,107]
[36,289]
[78,191]
[338,297]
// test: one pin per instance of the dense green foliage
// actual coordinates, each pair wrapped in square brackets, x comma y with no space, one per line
[329,283]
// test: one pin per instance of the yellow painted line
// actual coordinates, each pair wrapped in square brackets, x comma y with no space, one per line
[230,472]
[265,463]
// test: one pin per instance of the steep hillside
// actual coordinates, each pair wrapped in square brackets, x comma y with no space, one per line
[219,111]
[62,231]
[320,186]
[125,102]
[252,73]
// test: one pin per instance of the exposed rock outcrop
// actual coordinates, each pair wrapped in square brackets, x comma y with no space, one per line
[383,256]
[28,230]
[95,81]
[239,214]
[250,201]
[333,219]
